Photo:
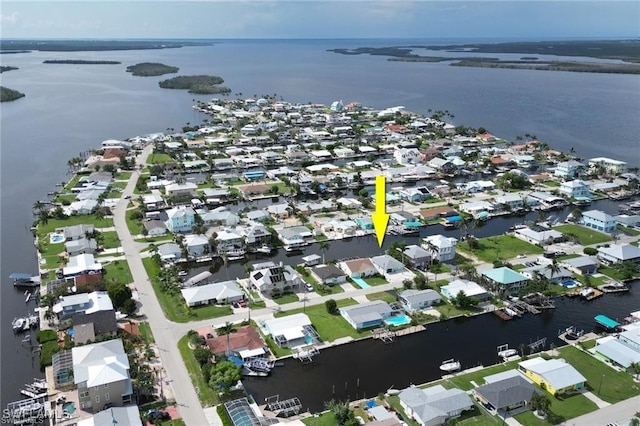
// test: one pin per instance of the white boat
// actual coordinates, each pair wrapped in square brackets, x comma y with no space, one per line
[507,353]
[450,365]
[20,324]
[586,292]
[264,249]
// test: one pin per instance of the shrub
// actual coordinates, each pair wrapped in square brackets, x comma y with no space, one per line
[332,306]
[590,251]
[44,336]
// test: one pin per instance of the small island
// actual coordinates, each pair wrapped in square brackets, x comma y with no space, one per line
[4,69]
[151,69]
[7,94]
[79,62]
[198,84]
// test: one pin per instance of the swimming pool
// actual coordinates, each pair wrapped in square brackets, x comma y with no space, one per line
[362,283]
[570,284]
[55,238]
[398,320]
[69,407]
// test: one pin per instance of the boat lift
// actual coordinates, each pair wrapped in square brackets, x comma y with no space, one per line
[286,408]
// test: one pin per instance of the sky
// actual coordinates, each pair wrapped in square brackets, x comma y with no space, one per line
[319,19]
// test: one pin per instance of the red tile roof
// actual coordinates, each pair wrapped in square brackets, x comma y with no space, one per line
[245,338]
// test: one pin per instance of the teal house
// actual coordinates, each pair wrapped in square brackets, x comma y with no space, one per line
[505,279]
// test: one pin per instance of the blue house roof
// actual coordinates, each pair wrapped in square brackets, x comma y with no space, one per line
[504,275]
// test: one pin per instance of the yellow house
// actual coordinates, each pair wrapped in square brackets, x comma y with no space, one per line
[556,376]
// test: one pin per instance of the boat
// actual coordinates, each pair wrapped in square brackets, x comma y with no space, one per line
[24,280]
[450,365]
[28,297]
[291,249]
[586,292]
[252,373]
[259,364]
[20,324]
[264,249]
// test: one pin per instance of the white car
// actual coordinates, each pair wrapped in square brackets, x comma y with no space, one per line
[182,273]
[521,256]
[309,287]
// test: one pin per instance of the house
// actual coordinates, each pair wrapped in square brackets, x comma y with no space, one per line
[197,245]
[506,279]
[441,165]
[508,394]
[101,374]
[328,274]
[181,190]
[568,169]
[557,277]
[80,207]
[344,228]
[81,246]
[366,315]
[406,156]
[256,235]
[122,416]
[81,264]
[583,265]
[510,201]
[243,341]
[279,211]
[169,252]
[416,300]
[614,167]
[76,232]
[538,235]
[275,279]
[358,268]
[617,352]
[578,189]
[442,248]
[386,264]
[598,220]
[228,241]
[180,219]
[555,376]
[290,331]
[154,228]
[365,223]
[93,310]
[258,215]
[617,253]
[415,195]
[212,294]
[417,257]
[294,236]
[469,288]
[434,405]
[153,201]
[220,216]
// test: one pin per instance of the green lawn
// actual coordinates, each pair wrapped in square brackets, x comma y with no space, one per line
[122,175]
[111,240]
[159,158]
[286,298]
[376,281]
[628,231]
[383,295]
[609,384]
[278,351]
[329,327]
[61,198]
[173,305]
[585,236]
[74,180]
[464,381]
[325,419]
[117,272]
[206,395]
[611,273]
[449,310]
[323,290]
[145,332]
[500,247]
[53,224]
[135,226]
[561,410]
[119,185]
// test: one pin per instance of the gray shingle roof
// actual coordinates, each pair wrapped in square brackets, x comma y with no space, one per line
[507,392]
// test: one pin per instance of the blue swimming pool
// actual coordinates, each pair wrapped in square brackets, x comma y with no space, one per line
[55,238]
[570,284]
[398,320]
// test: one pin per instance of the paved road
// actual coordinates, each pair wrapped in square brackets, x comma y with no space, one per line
[164,332]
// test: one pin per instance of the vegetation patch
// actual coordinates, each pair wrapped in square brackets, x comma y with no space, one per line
[151,69]
[383,295]
[199,84]
[79,62]
[500,247]
[206,395]
[561,409]
[584,235]
[117,272]
[7,94]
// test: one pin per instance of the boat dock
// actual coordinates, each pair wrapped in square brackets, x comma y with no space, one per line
[384,335]
[613,287]
[606,322]
[502,314]
[520,307]
[25,280]
[285,408]
[306,354]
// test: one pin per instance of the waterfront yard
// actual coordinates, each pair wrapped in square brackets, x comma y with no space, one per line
[172,303]
[329,327]
[608,384]
[53,224]
[584,235]
[499,248]
[463,381]
[325,419]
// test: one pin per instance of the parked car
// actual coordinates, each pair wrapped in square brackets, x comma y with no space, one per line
[309,287]
[155,415]
[182,273]
[242,303]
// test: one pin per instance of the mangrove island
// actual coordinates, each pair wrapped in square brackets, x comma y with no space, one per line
[198,84]
[151,69]
[4,69]
[7,94]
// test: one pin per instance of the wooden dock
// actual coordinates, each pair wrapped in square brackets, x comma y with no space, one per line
[596,293]
[502,314]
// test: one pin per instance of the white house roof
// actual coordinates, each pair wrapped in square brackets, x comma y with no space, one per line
[195,240]
[431,403]
[122,416]
[219,291]
[556,372]
[418,296]
[468,287]
[621,251]
[81,263]
[368,311]
[109,353]
[280,326]
[598,215]
[617,351]
[228,236]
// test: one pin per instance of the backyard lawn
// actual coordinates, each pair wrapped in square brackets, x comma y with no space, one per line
[585,236]
[173,305]
[110,240]
[159,158]
[53,224]
[464,381]
[326,419]
[329,327]
[206,395]
[500,247]
[610,385]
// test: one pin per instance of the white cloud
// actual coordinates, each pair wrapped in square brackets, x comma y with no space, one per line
[10,19]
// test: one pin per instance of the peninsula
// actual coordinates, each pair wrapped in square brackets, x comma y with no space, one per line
[151,69]
[198,84]
[5,69]
[79,62]
[625,51]
[7,94]
[200,237]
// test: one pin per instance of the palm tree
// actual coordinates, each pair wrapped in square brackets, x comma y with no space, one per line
[634,422]
[540,403]
[227,329]
[553,269]
[635,367]
[324,246]
[431,248]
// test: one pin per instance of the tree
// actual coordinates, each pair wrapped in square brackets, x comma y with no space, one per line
[634,422]
[224,375]
[420,281]
[553,269]
[129,306]
[323,246]
[407,284]
[343,414]
[119,293]
[202,355]
[540,403]
[635,367]
[332,306]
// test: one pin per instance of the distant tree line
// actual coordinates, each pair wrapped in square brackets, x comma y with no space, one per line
[79,62]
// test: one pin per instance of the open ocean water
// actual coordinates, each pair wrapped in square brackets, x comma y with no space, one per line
[72,108]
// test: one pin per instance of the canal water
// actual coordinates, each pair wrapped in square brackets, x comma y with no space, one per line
[367,367]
